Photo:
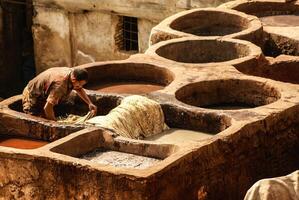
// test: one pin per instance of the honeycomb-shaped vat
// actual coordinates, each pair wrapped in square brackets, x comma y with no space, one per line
[195,52]
[280,24]
[208,22]
[228,94]
[127,77]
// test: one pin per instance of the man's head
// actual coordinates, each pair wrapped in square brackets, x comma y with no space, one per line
[79,78]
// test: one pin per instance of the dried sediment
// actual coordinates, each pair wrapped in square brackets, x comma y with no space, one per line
[120,159]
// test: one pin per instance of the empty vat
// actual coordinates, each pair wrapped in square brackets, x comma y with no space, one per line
[280,23]
[283,68]
[205,22]
[228,94]
[196,52]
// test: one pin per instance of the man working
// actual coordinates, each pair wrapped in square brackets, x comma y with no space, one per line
[51,86]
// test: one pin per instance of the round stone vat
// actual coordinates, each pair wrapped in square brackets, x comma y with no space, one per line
[280,20]
[14,122]
[228,94]
[207,22]
[203,51]
[283,68]
[210,22]
[24,131]
[74,105]
[127,77]
[265,9]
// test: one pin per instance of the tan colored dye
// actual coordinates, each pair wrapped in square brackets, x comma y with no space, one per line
[127,87]
[21,143]
[281,20]
[179,136]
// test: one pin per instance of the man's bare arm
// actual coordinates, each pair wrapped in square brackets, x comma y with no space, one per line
[81,92]
[49,111]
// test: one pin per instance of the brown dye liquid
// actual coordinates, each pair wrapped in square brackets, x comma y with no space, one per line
[20,142]
[281,20]
[127,87]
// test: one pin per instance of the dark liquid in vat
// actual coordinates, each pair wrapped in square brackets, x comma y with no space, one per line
[20,142]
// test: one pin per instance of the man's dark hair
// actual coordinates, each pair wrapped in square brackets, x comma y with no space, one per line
[80,74]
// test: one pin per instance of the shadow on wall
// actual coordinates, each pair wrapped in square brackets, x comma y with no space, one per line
[17,65]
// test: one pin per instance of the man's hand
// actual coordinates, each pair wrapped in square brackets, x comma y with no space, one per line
[93,109]
[85,98]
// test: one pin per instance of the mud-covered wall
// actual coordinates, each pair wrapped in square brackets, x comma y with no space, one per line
[70,39]
[51,35]
[70,33]
[48,179]
[145,27]
[93,37]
